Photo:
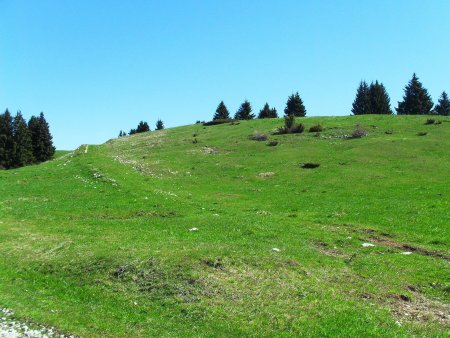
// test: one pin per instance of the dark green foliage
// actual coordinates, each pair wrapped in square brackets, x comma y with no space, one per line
[294,106]
[316,129]
[216,122]
[122,134]
[361,105]
[6,140]
[132,132]
[23,147]
[379,99]
[310,165]
[221,112]
[41,138]
[142,127]
[159,125]
[290,127]
[244,112]
[416,100]
[267,112]
[443,106]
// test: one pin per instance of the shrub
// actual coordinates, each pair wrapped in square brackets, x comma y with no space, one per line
[430,121]
[310,165]
[316,129]
[359,132]
[290,127]
[259,137]
[272,143]
[215,122]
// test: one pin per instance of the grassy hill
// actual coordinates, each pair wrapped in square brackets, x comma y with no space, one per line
[98,241]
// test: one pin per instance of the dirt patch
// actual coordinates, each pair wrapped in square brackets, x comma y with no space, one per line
[209,150]
[389,242]
[419,308]
[266,175]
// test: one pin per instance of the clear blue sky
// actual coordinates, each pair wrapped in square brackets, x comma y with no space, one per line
[95,67]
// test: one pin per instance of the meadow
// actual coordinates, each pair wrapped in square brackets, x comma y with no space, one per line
[202,231]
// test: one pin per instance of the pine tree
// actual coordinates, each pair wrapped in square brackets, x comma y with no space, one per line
[159,125]
[361,105]
[267,112]
[132,132]
[294,106]
[443,106]
[23,153]
[221,112]
[41,138]
[379,99]
[244,112]
[416,100]
[142,127]
[121,133]
[6,140]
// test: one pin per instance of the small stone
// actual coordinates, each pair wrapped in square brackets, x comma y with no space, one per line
[276,250]
[367,245]
[193,229]
[406,253]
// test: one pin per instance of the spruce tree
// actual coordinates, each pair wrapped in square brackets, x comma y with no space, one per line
[132,132]
[221,112]
[6,140]
[267,112]
[416,100]
[49,149]
[23,153]
[43,149]
[244,112]
[294,106]
[443,106]
[159,125]
[379,99]
[361,105]
[142,127]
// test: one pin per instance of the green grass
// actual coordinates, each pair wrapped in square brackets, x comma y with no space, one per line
[98,243]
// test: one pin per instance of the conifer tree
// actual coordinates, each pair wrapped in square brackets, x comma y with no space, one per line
[6,140]
[23,152]
[43,149]
[416,100]
[221,112]
[294,106]
[361,105]
[132,132]
[267,112]
[443,106]
[244,112]
[379,99]
[142,127]
[159,125]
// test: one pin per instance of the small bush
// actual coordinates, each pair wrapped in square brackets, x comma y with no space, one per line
[422,133]
[259,137]
[358,132]
[309,165]
[316,129]
[430,121]
[272,143]
[215,122]
[290,127]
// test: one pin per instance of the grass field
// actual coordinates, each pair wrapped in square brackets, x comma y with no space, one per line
[98,242]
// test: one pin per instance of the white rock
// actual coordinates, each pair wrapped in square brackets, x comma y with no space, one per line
[406,253]
[366,245]
[276,250]
[193,229]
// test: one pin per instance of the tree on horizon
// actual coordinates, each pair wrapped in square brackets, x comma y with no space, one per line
[295,106]
[244,112]
[380,102]
[361,104]
[267,112]
[221,112]
[6,139]
[142,127]
[416,100]
[443,105]
[159,125]
[23,146]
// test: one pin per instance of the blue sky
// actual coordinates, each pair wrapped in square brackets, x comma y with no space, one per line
[95,67]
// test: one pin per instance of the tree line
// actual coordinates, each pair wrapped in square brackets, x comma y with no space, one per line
[23,143]
[143,127]
[370,99]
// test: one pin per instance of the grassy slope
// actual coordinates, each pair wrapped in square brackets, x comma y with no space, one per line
[97,244]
